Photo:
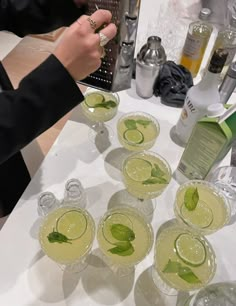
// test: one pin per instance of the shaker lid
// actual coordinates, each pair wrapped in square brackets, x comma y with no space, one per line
[215,110]
[152,53]
[204,13]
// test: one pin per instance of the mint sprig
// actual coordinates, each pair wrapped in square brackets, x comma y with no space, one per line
[144,123]
[106,104]
[122,232]
[182,271]
[131,124]
[191,198]
[57,237]
[124,235]
[123,248]
[156,176]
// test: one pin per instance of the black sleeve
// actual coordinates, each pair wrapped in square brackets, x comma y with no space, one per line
[43,97]
[24,17]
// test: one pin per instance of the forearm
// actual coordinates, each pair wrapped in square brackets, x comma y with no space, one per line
[43,97]
[24,17]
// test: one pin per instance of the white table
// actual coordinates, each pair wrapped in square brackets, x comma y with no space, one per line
[28,277]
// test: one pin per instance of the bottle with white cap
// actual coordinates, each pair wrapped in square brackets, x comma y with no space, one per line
[215,110]
[200,96]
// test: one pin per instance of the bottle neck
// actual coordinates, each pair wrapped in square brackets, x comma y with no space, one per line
[210,80]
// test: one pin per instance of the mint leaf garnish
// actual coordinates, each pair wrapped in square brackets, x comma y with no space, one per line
[155,180]
[123,248]
[172,267]
[144,123]
[130,124]
[156,171]
[57,237]
[187,274]
[122,232]
[191,198]
[183,272]
[106,104]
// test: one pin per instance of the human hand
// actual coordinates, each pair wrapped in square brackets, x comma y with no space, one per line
[79,51]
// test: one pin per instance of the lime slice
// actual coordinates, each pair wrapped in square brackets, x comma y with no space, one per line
[138,169]
[190,249]
[116,218]
[93,99]
[72,224]
[133,136]
[201,216]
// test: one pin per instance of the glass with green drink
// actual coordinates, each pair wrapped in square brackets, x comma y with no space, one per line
[202,206]
[66,236]
[137,131]
[183,261]
[146,175]
[125,238]
[99,107]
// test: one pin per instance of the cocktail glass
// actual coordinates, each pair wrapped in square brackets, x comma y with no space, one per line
[225,179]
[183,260]
[202,206]
[66,236]
[125,238]
[146,175]
[137,131]
[99,107]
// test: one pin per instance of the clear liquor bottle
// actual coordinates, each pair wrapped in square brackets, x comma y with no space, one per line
[198,36]
[226,39]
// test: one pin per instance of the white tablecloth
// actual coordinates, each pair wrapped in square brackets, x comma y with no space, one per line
[28,277]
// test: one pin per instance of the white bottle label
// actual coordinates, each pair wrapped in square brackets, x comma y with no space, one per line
[187,120]
[192,46]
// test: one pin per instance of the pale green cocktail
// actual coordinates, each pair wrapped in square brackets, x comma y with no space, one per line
[124,236]
[100,106]
[137,131]
[66,234]
[146,174]
[183,259]
[202,206]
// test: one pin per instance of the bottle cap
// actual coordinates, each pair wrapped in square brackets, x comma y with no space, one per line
[218,60]
[204,13]
[215,110]
[154,42]
[232,70]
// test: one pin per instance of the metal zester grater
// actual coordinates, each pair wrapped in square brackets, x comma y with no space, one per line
[115,73]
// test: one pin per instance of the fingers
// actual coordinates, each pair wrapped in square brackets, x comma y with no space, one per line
[109,31]
[96,20]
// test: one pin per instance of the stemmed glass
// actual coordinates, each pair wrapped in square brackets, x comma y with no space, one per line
[202,206]
[225,179]
[183,260]
[137,131]
[146,175]
[66,236]
[99,107]
[125,238]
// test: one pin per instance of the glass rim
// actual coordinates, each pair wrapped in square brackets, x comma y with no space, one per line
[86,214]
[136,113]
[213,188]
[196,235]
[90,90]
[134,212]
[147,152]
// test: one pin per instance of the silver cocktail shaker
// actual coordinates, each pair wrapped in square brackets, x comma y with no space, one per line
[149,61]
